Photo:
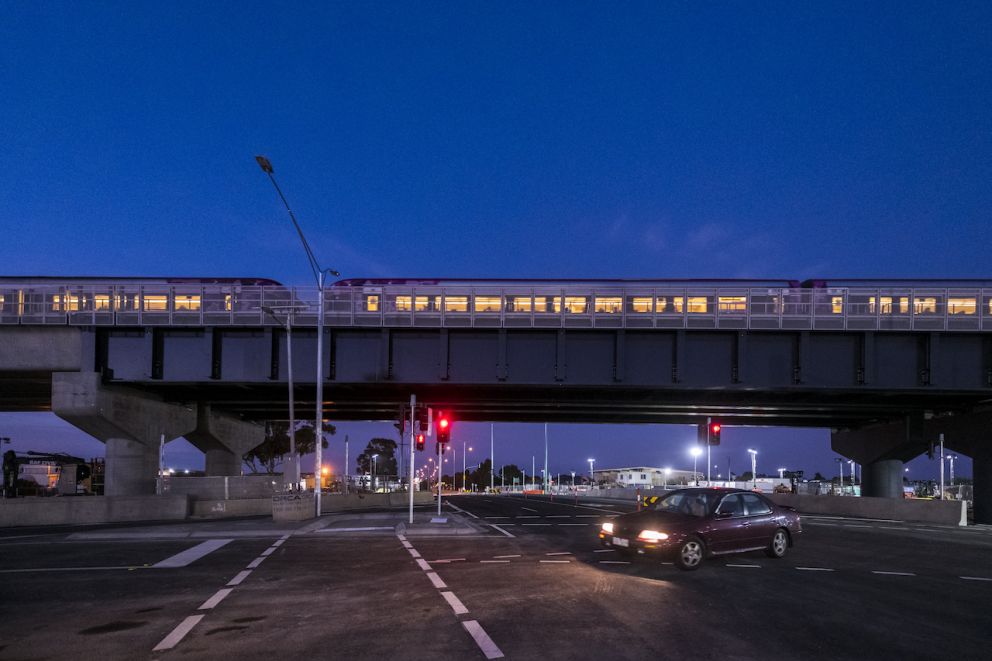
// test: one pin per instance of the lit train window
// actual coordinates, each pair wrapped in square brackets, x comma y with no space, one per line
[101,302]
[573,304]
[837,304]
[696,305]
[403,303]
[487,303]
[961,306]
[609,304]
[372,303]
[926,305]
[1,300]
[156,303]
[187,302]
[228,301]
[455,303]
[733,303]
[71,303]
[640,304]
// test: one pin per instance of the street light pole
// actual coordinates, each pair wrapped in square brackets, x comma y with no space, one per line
[319,274]
[592,477]
[288,326]
[754,468]
[695,452]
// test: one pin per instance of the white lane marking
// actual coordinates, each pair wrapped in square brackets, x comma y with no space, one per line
[813,569]
[178,633]
[604,551]
[192,555]
[560,553]
[732,565]
[423,564]
[668,563]
[47,569]
[535,524]
[854,525]
[414,552]
[613,562]
[402,538]
[270,550]
[494,562]
[586,516]
[528,509]
[363,529]
[516,555]
[286,536]
[847,518]
[242,575]
[454,602]
[975,578]
[436,580]
[278,542]
[894,573]
[216,599]
[574,524]
[890,528]
[256,562]
[499,517]
[508,534]
[555,562]
[407,545]
[482,639]
[558,516]
[447,560]
[458,509]
[528,516]
[931,529]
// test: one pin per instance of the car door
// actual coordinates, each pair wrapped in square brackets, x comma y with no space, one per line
[728,529]
[761,520]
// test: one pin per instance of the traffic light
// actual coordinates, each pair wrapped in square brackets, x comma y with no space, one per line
[422,419]
[714,433]
[443,428]
[420,442]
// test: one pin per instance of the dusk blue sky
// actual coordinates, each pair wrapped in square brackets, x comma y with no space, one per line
[518,139]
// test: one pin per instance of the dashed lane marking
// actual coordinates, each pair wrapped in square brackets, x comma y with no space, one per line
[256,562]
[604,551]
[414,552]
[614,562]
[498,517]
[515,555]
[814,569]
[558,516]
[191,555]
[436,580]
[406,544]
[278,542]
[535,524]
[529,516]
[455,603]
[240,577]
[854,525]
[178,633]
[494,562]
[528,509]
[505,532]
[975,578]
[574,524]
[482,639]
[560,553]
[894,573]
[445,561]
[555,562]
[423,564]
[216,599]
[362,529]
[458,509]
[733,565]
[270,550]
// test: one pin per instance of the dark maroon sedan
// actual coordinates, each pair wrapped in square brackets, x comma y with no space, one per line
[691,524]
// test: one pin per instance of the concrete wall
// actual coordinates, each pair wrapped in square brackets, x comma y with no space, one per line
[224,487]
[220,509]
[342,502]
[947,512]
[80,510]
[45,349]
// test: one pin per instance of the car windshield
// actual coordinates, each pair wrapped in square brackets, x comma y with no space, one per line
[693,503]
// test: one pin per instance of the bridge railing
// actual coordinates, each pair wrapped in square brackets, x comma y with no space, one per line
[484,306]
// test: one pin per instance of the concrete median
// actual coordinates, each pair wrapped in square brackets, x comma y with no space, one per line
[79,510]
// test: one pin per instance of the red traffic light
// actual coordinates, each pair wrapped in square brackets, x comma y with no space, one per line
[715,428]
[420,442]
[443,423]
[443,429]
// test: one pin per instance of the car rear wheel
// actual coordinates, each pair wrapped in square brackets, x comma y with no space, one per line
[690,554]
[779,544]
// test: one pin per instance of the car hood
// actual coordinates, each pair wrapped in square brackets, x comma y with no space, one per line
[651,520]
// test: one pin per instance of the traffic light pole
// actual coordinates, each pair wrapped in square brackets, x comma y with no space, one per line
[709,447]
[413,432]
[440,475]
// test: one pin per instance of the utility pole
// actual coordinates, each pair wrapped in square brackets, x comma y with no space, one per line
[942,467]
[492,457]
[413,432]
[546,474]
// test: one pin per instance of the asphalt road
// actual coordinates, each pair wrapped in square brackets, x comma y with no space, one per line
[530,583]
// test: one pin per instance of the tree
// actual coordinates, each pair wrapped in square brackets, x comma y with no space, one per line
[268,456]
[385,463]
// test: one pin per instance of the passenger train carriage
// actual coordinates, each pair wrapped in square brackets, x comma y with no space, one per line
[827,304]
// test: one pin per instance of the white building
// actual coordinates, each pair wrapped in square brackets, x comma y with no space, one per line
[644,477]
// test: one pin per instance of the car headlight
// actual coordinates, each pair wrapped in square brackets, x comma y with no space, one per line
[608,528]
[652,536]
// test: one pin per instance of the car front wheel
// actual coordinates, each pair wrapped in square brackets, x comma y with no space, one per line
[779,544]
[690,554]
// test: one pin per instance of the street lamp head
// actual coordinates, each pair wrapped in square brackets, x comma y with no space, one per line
[696,451]
[750,451]
[264,164]
[668,471]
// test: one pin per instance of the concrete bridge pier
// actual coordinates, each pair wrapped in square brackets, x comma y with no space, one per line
[223,439]
[882,450]
[882,478]
[129,422]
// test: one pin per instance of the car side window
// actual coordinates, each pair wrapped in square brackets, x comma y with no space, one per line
[756,505]
[731,505]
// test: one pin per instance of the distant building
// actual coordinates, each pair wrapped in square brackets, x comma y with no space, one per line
[644,477]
